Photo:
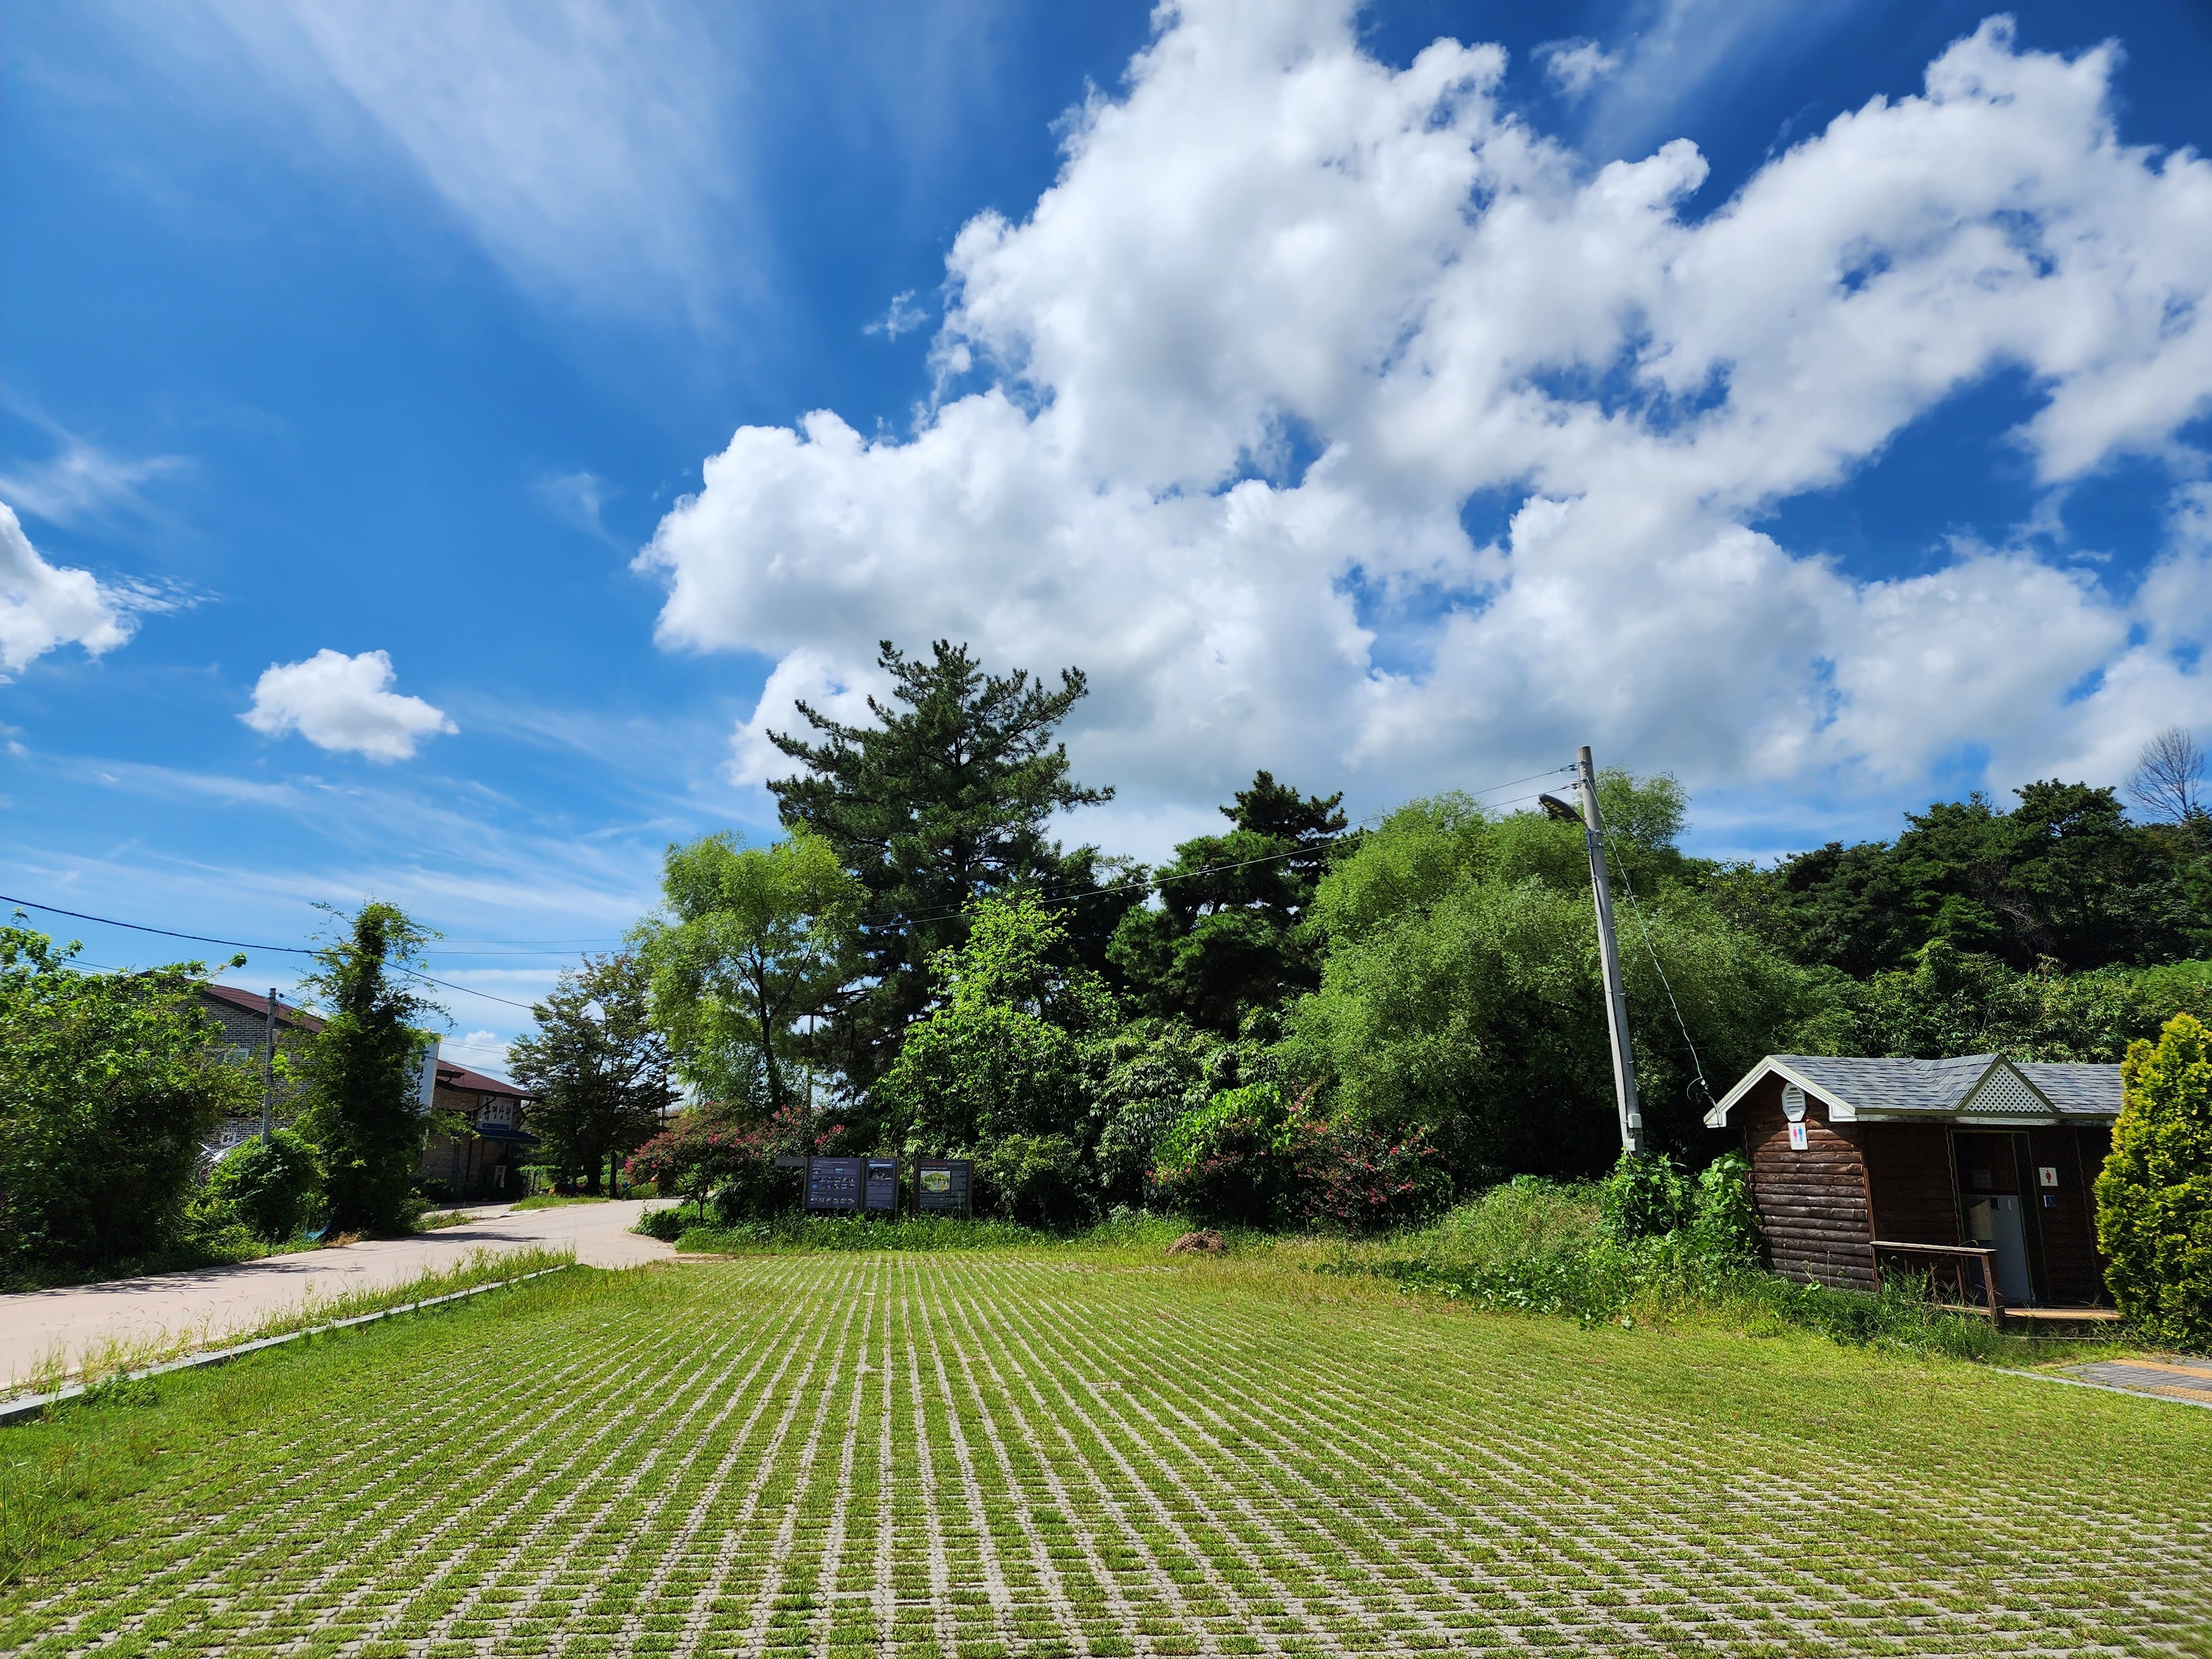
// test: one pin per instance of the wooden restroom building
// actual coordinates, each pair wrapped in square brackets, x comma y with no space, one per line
[1976,1168]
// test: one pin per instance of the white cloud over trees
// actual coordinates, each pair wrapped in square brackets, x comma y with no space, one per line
[345,704]
[1210,419]
[44,606]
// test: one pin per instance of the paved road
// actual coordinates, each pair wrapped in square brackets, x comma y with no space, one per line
[36,1325]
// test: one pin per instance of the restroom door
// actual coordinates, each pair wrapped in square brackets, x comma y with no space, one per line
[1993,1197]
[1993,1221]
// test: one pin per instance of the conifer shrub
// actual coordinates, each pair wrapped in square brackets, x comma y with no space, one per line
[2154,1193]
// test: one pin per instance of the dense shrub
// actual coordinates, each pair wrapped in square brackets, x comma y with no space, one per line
[1231,1160]
[1644,1197]
[713,1150]
[272,1188]
[1724,1220]
[2154,1193]
[1353,1177]
[1037,1180]
[1150,1074]
[109,1084]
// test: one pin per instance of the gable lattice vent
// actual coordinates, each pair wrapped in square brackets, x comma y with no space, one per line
[2001,1094]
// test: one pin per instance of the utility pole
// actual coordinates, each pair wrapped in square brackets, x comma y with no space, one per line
[269,1072]
[1616,1001]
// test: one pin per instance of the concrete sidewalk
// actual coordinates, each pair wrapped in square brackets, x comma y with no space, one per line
[212,1302]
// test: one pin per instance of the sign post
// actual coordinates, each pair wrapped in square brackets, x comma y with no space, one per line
[834,1185]
[880,1196]
[943,1186]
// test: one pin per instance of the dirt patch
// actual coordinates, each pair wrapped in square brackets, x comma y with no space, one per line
[1207,1243]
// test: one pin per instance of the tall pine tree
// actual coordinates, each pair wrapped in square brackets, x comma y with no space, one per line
[946,799]
[1226,938]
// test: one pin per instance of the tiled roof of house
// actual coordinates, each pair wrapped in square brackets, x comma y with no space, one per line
[451,1076]
[257,1003]
[1964,1087]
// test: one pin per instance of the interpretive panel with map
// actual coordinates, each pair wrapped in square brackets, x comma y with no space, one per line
[833,1183]
[942,1186]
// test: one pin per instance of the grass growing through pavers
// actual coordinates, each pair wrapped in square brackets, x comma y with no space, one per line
[977,1454]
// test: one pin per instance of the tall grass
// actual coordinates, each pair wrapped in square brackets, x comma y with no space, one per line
[1542,1247]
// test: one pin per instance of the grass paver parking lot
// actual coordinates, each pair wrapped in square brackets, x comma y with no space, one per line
[979,1455]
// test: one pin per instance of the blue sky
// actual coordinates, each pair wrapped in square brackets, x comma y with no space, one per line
[1389,414]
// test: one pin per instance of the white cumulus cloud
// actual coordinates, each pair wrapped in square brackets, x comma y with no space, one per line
[44,606]
[1211,417]
[345,704]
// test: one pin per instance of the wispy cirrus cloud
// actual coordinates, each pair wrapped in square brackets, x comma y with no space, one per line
[77,480]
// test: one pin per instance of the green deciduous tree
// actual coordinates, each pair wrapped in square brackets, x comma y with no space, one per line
[1461,991]
[1226,937]
[1003,1055]
[363,1069]
[946,798]
[2154,1193]
[597,1066]
[755,940]
[109,1085]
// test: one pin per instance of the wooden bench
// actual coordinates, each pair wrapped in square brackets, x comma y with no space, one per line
[1937,1262]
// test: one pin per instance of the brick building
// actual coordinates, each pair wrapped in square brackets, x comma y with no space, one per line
[482,1162]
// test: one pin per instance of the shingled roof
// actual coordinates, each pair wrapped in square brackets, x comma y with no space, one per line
[1965,1088]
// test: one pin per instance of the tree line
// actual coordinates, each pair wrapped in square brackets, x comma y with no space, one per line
[1295,1019]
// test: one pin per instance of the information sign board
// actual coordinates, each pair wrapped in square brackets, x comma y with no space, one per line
[882,1194]
[833,1183]
[942,1186]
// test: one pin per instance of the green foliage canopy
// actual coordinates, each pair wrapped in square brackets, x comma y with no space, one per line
[109,1086]
[755,940]
[1461,993]
[1003,1055]
[2063,876]
[362,1069]
[597,1066]
[1225,938]
[943,801]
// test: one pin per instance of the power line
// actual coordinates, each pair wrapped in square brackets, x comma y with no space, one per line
[1311,847]
[1628,885]
[242,944]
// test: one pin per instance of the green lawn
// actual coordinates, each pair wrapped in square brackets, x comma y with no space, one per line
[987,1453]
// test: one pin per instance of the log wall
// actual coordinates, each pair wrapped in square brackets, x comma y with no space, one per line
[1909,1173]
[1812,1205]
